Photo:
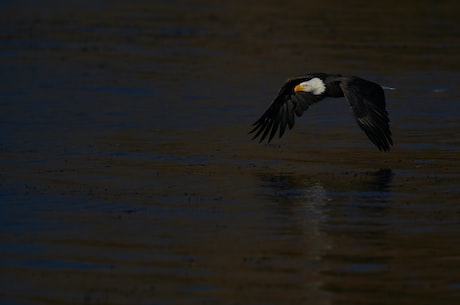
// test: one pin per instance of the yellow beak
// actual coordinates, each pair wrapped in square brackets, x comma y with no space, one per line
[298,88]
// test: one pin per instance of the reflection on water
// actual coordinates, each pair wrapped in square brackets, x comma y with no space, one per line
[382,180]
[127,175]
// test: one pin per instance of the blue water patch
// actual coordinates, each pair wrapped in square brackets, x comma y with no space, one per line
[454,285]
[54,264]
[366,267]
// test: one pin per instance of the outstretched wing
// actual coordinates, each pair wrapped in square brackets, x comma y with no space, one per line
[281,113]
[368,103]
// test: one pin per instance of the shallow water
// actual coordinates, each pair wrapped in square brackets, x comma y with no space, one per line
[127,175]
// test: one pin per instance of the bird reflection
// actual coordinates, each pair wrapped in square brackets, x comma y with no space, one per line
[295,191]
[294,188]
[370,198]
[309,215]
[316,200]
[382,180]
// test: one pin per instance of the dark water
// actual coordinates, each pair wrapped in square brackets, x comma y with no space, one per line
[127,175]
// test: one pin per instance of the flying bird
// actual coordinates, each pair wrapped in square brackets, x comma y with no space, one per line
[366,98]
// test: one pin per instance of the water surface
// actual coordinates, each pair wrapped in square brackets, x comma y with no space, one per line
[127,175]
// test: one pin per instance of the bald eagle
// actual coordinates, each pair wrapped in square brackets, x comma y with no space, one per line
[366,98]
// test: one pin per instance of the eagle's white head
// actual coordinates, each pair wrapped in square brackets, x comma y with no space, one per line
[314,85]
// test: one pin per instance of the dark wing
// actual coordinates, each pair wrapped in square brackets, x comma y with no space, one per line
[368,103]
[281,111]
